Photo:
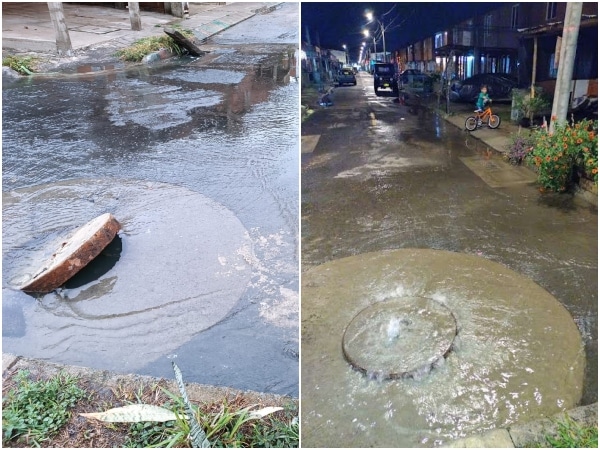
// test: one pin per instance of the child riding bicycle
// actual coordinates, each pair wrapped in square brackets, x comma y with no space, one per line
[482,99]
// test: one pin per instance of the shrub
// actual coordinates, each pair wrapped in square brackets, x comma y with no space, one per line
[557,155]
[519,147]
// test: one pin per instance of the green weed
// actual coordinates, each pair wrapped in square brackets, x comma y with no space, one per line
[34,411]
[225,425]
[143,47]
[570,434]
[25,65]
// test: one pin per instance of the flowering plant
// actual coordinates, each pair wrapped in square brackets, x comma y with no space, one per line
[556,155]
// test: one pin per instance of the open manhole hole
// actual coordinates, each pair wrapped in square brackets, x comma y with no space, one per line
[399,338]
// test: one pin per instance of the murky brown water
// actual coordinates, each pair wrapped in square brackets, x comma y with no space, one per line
[513,342]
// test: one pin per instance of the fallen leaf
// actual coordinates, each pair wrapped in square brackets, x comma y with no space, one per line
[133,413]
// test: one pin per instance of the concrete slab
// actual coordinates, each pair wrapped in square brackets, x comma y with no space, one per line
[26,27]
[498,173]
[308,143]
[8,361]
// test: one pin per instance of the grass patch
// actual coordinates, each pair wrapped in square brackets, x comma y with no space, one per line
[35,411]
[25,65]
[570,434]
[145,46]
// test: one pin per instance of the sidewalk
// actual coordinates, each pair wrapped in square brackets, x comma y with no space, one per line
[26,27]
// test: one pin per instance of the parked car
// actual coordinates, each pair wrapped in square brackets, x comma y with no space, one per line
[499,86]
[415,80]
[408,74]
[384,77]
[346,76]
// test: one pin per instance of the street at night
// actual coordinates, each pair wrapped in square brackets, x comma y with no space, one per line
[385,184]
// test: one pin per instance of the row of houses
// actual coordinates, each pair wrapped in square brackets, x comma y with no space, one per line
[512,39]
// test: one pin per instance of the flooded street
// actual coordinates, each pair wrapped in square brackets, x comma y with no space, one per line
[399,204]
[198,160]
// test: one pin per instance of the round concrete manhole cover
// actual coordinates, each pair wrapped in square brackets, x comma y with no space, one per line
[399,338]
[466,344]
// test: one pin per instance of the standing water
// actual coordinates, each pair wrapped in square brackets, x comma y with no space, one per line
[198,162]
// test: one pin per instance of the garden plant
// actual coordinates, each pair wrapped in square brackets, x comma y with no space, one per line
[560,157]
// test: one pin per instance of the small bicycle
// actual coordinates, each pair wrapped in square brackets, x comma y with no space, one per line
[476,121]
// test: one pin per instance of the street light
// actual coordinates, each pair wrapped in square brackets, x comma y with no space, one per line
[370,18]
[345,52]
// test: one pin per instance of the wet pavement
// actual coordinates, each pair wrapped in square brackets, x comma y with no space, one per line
[379,176]
[198,159]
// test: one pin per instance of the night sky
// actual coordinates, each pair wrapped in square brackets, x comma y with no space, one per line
[334,24]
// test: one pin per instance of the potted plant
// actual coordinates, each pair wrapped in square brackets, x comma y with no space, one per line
[528,107]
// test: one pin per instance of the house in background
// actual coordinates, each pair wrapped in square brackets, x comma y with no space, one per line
[487,43]
[511,40]
[541,29]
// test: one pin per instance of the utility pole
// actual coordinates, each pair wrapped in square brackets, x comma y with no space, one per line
[63,41]
[134,16]
[562,91]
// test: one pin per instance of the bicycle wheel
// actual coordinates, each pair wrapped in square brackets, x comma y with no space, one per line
[494,121]
[471,123]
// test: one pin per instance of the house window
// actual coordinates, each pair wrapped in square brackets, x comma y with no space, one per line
[487,24]
[551,10]
[514,17]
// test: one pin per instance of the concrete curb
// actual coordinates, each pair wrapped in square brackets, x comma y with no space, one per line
[104,379]
[518,436]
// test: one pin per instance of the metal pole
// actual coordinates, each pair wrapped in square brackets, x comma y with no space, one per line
[383,36]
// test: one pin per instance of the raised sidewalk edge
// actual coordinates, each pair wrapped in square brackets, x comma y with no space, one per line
[200,393]
[522,435]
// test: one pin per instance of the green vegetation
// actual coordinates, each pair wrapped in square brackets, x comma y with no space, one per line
[25,65]
[34,411]
[556,155]
[225,425]
[570,434]
[143,47]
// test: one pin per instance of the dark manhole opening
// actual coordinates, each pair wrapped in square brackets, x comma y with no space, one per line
[99,266]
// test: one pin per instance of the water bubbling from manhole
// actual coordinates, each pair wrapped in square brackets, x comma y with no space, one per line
[399,338]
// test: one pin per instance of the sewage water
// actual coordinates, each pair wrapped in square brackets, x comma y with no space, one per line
[487,350]
[199,163]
